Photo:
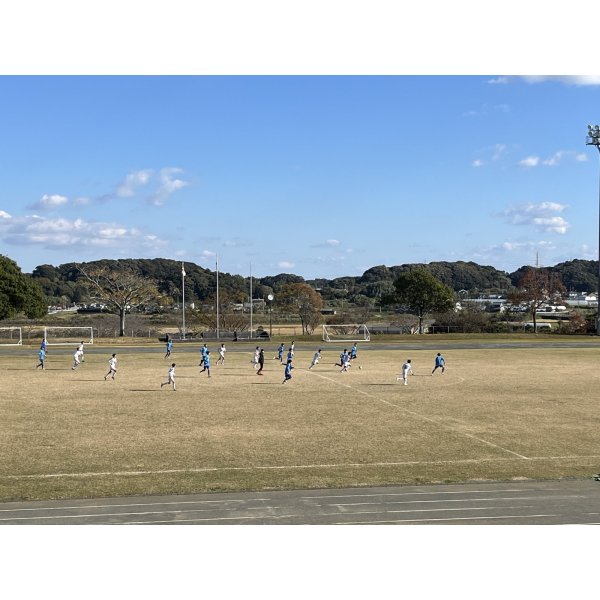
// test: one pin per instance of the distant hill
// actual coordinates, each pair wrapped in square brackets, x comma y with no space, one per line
[64,283]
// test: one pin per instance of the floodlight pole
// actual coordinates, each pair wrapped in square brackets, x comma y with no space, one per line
[217,266]
[593,139]
[183,301]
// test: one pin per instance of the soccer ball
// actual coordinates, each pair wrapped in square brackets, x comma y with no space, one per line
[360,366]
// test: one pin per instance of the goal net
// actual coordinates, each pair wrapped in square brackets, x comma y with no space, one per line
[11,336]
[57,336]
[346,333]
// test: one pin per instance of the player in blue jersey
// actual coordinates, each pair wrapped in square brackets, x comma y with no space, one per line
[440,363]
[169,347]
[203,352]
[206,363]
[42,357]
[288,371]
[353,351]
[280,353]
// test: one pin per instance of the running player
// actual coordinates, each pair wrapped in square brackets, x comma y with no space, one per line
[203,352]
[76,359]
[80,348]
[280,353]
[345,360]
[316,359]
[170,378]
[261,361]
[169,347]
[254,360]
[206,363]
[222,351]
[353,351]
[112,367]
[288,371]
[42,357]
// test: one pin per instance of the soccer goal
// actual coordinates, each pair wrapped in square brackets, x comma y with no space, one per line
[346,333]
[11,336]
[63,336]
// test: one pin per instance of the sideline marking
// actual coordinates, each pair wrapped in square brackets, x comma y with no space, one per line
[446,519]
[283,467]
[419,416]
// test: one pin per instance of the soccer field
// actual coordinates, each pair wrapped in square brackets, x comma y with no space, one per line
[505,413]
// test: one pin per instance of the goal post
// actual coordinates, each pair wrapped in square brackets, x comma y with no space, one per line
[11,336]
[357,332]
[64,336]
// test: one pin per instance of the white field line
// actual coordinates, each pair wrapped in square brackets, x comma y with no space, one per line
[423,417]
[463,500]
[284,467]
[446,519]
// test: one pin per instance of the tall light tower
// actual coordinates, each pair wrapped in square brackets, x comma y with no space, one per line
[593,139]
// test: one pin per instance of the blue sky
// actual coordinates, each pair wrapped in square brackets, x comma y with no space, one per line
[322,176]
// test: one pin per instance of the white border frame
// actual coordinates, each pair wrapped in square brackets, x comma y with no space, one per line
[20,342]
[351,337]
[50,343]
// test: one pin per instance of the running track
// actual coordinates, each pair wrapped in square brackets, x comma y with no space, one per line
[498,503]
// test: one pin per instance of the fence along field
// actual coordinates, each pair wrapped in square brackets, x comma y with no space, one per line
[494,414]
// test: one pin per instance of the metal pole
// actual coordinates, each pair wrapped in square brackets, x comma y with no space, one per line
[250,300]
[217,296]
[598,291]
[183,301]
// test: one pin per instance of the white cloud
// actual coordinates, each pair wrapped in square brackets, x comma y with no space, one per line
[237,242]
[4,215]
[207,254]
[530,161]
[134,180]
[50,201]
[61,232]
[285,264]
[169,185]
[580,80]
[554,160]
[542,216]
[327,244]
[498,80]
[478,163]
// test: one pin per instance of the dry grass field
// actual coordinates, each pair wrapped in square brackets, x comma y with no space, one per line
[495,414]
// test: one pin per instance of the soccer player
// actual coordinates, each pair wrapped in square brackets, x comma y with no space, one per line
[203,352]
[288,371]
[222,351]
[280,353]
[43,345]
[316,359]
[42,356]
[290,354]
[206,363]
[112,367]
[342,356]
[345,360]
[439,363]
[261,361]
[254,360]
[292,348]
[169,347]
[353,351]
[76,358]
[406,369]
[80,348]
[170,378]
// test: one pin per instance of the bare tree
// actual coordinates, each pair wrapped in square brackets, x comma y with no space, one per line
[119,288]
[536,287]
[303,300]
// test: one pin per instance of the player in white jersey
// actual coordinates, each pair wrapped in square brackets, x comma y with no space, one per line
[170,378]
[316,359]
[80,348]
[222,351]
[112,367]
[77,358]
[254,360]
[406,369]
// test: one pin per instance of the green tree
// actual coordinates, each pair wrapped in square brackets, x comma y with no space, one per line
[19,293]
[304,301]
[119,287]
[421,293]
